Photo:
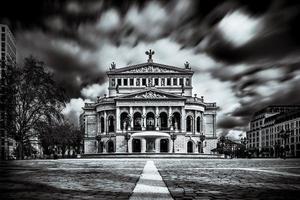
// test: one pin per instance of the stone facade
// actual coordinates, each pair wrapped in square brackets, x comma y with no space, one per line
[149,107]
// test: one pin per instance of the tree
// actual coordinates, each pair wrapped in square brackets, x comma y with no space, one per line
[38,99]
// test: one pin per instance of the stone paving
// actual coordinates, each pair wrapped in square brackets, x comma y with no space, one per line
[117,178]
[232,179]
[69,179]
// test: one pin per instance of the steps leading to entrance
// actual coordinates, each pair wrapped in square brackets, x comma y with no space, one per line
[153,155]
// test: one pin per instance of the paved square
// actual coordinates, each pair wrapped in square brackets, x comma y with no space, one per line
[117,178]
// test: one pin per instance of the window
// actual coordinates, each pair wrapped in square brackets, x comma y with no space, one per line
[156,81]
[131,81]
[113,82]
[143,81]
[181,81]
[168,81]
[187,82]
[174,81]
[126,81]
[119,81]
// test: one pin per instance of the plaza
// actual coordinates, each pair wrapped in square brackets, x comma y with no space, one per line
[118,178]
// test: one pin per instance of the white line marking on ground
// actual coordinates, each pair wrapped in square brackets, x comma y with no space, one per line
[249,169]
[150,185]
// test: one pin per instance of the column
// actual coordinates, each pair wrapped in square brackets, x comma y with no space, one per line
[144,118]
[118,119]
[131,117]
[170,117]
[143,145]
[183,128]
[156,118]
[86,126]
[98,123]
[157,145]
[195,122]
[105,123]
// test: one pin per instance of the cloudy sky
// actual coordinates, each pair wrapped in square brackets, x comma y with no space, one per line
[245,54]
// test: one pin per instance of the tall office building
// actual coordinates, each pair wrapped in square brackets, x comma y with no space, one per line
[7,60]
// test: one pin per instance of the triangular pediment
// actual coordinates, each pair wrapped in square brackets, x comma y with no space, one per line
[150,94]
[150,68]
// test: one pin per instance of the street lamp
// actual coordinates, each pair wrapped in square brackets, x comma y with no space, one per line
[202,138]
[98,138]
[173,137]
[127,137]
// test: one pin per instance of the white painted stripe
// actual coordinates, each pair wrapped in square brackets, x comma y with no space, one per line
[150,185]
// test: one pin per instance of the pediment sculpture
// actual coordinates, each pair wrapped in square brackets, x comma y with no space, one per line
[150,69]
[150,95]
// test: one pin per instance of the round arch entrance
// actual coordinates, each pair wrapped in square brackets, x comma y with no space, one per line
[136,146]
[190,147]
[110,146]
[164,145]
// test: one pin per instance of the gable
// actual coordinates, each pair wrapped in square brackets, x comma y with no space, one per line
[150,94]
[149,68]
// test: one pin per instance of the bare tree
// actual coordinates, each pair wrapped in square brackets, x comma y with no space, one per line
[38,98]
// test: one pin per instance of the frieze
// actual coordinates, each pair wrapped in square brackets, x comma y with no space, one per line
[150,95]
[150,69]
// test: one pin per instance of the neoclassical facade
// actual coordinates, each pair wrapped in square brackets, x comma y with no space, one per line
[149,109]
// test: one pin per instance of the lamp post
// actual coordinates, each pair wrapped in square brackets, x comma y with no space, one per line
[173,138]
[127,137]
[202,138]
[98,138]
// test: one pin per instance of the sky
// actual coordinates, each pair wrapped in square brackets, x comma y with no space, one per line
[245,54]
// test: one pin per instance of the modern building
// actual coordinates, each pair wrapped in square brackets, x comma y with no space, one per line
[7,59]
[150,109]
[273,129]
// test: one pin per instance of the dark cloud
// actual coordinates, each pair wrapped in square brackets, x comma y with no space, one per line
[68,36]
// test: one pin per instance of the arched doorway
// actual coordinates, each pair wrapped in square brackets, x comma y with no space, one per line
[190,147]
[176,121]
[124,121]
[164,145]
[198,124]
[111,125]
[137,121]
[163,121]
[189,123]
[110,146]
[136,145]
[100,147]
[102,124]
[150,122]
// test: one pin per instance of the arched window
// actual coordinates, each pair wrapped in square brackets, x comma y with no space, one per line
[150,122]
[124,121]
[111,124]
[176,121]
[198,125]
[102,125]
[137,121]
[189,124]
[163,121]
